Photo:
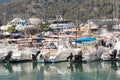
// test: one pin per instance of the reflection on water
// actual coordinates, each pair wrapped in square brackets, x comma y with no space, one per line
[114,66]
[61,71]
[75,67]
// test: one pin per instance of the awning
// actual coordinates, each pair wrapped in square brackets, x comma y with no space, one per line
[85,39]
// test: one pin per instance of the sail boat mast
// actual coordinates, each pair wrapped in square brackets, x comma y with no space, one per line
[25,24]
[117,8]
[117,14]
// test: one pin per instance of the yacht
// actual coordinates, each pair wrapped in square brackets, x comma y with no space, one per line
[16,52]
[57,51]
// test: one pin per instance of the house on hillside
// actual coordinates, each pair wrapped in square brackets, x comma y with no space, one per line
[32,24]
[101,25]
[15,21]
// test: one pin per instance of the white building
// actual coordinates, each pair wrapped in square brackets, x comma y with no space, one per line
[15,21]
[60,23]
[35,21]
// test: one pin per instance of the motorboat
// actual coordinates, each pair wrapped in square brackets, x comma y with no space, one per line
[58,53]
[107,56]
[15,52]
[91,50]
[113,50]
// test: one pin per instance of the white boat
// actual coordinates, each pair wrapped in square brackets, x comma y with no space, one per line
[114,39]
[106,56]
[58,54]
[13,52]
[3,49]
[89,52]
[88,48]
[23,55]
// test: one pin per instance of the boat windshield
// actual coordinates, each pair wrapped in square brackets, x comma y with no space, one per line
[89,47]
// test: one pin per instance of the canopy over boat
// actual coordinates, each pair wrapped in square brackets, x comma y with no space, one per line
[85,39]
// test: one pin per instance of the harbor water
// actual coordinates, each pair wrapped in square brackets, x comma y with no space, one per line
[61,71]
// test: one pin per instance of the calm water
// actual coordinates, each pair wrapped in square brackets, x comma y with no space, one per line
[61,71]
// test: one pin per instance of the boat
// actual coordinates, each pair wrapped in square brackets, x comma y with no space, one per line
[19,52]
[88,49]
[110,53]
[6,49]
[113,39]
[58,53]
[91,50]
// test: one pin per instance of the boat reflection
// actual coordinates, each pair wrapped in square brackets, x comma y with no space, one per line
[75,67]
[9,68]
[114,65]
[66,70]
[59,67]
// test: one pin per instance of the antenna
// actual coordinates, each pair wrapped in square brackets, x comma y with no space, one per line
[117,8]
[61,8]
[4,15]
[117,15]
[44,9]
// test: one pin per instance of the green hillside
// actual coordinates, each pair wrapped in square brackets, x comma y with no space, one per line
[80,10]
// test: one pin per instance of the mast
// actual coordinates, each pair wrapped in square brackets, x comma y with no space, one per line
[44,15]
[117,13]
[4,15]
[4,22]
[76,30]
[25,23]
[117,8]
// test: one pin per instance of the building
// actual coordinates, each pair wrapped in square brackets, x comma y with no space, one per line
[60,23]
[101,25]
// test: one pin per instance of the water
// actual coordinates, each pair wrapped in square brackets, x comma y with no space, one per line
[61,71]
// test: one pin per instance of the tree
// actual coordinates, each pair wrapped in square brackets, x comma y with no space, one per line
[45,27]
[12,28]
